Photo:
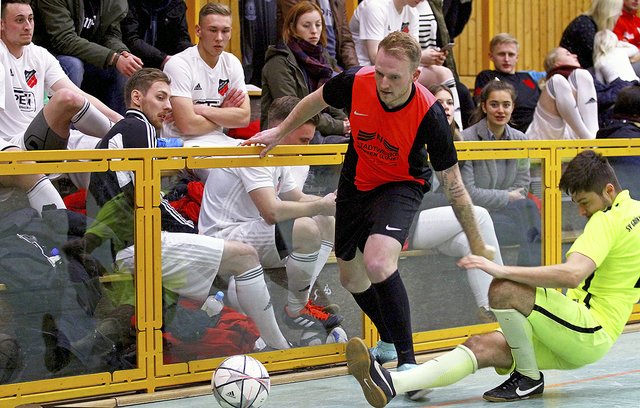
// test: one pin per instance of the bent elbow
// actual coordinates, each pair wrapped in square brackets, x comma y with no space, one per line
[575,279]
[244,120]
[186,128]
[269,217]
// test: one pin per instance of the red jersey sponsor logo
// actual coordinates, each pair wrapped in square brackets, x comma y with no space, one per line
[377,147]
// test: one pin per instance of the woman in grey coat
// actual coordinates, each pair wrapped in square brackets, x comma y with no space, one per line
[502,186]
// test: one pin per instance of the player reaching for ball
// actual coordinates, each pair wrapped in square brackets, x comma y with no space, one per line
[540,327]
[384,178]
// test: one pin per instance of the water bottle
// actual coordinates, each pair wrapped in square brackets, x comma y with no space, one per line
[214,304]
[55,257]
[169,142]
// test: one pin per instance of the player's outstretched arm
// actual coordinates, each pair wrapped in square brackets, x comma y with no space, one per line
[463,209]
[566,275]
[308,107]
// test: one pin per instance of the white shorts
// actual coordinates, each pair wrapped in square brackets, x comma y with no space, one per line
[190,263]
[260,236]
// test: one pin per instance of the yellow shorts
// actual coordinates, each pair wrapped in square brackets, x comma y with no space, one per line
[565,333]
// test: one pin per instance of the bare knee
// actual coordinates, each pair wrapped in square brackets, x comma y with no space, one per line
[67,100]
[238,258]
[490,350]
[327,225]
[379,266]
[506,294]
[306,235]
[353,276]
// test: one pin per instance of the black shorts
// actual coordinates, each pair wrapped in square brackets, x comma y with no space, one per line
[387,210]
[284,238]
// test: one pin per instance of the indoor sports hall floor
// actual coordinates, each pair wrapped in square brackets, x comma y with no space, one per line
[612,382]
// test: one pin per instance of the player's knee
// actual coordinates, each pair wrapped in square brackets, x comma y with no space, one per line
[502,293]
[67,100]
[443,74]
[490,349]
[378,265]
[326,224]
[306,235]
[476,344]
[239,257]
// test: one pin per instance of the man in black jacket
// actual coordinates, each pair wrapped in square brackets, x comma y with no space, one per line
[155,30]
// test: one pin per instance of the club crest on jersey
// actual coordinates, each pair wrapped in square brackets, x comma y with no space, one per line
[30,77]
[405,27]
[223,86]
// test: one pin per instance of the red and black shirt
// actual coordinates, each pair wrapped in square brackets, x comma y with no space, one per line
[390,145]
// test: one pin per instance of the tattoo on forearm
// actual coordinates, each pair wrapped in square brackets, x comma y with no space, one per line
[462,206]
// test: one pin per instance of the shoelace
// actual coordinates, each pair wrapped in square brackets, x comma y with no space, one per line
[513,380]
[315,312]
[311,305]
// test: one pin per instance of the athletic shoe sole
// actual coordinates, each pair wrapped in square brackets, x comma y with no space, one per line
[359,362]
[496,399]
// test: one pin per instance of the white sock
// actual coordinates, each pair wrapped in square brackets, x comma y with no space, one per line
[44,193]
[457,114]
[323,255]
[519,334]
[300,272]
[447,369]
[90,121]
[232,296]
[254,298]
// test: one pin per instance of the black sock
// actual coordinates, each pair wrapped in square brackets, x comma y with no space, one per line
[370,305]
[396,315]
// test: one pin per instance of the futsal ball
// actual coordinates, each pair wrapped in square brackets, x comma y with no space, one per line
[312,337]
[337,335]
[241,382]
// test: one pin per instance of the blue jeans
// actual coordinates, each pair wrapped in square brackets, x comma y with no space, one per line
[105,84]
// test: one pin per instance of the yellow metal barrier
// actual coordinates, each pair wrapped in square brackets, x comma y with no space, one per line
[151,373]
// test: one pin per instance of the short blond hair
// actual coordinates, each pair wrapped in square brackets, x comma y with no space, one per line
[503,38]
[402,45]
[213,8]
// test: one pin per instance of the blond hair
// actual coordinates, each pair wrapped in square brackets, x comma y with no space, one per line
[402,45]
[503,38]
[605,13]
[603,42]
[214,8]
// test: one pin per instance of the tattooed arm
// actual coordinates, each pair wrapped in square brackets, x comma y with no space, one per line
[463,208]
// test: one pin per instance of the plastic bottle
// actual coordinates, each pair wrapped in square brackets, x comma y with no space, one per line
[169,142]
[214,304]
[55,257]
